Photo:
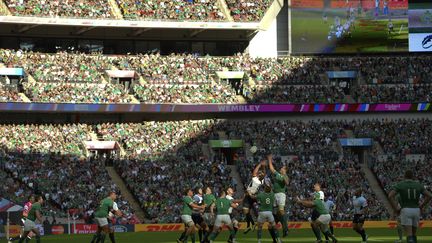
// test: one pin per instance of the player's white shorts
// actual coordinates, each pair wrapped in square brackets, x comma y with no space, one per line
[324,219]
[410,216]
[101,222]
[209,218]
[280,200]
[187,220]
[223,219]
[266,216]
[29,225]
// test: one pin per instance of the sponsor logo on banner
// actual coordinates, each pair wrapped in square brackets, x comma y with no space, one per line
[420,42]
[85,229]
[14,230]
[57,229]
[120,228]
[293,225]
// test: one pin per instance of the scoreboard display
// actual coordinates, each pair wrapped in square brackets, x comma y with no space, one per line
[353,26]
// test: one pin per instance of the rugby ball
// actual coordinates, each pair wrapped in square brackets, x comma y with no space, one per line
[253,149]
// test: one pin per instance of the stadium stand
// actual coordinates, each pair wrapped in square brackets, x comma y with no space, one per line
[178,10]
[56,153]
[92,9]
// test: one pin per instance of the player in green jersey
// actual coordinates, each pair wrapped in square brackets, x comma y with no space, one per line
[280,186]
[30,222]
[409,191]
[102,213]
[223,206]
[266,201]
[186,215]
[322,222]
[209,202]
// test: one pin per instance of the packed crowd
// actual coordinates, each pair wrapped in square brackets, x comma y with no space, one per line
[171,153]
[398,93]
[92,9]
[179,10]
[204,93]
[185,78]
[49,160]
[310,145]
[8,95]
[294,94]
[404,136]
[248,10]
[387,173]
[76,93]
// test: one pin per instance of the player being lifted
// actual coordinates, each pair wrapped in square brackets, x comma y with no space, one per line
[409,192]
[235,222]
[251,191]
[323,220]
[209,202]
[186,216]
[360,212]
[30,222]
[266,201]
[26,210]
[101,217]
[280,186]
[223,204]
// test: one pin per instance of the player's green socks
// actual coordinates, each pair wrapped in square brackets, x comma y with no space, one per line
[259,234]
[317,232]
[95,237]
[193,238]
[329,235]
[102,238]
[284,222]
[400,232]
[38,239]
[411,239]
[332,229]
[363,234]
[112,238]
[213,235]
[232,234]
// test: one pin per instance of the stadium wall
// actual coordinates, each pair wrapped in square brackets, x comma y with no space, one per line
[264,43]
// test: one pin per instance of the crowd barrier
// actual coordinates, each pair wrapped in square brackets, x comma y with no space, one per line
[15,230]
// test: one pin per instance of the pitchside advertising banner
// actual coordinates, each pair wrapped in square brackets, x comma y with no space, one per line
[352,26]
[15,230]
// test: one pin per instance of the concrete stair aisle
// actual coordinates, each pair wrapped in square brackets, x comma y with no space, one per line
[135,205]
[241,99]
[375,186]
[223,6]
[24,97]
[205,149]
[240,187]
[4,10]
[115,10]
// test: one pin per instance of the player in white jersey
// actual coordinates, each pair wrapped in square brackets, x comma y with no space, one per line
[330,206]
[360,212]
[251,191]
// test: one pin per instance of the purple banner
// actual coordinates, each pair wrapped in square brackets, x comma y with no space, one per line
[210,108]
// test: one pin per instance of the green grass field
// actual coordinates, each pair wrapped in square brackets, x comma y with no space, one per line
[302,235]
[309,34]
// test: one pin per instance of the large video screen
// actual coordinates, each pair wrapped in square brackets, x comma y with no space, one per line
[350,26]
[420,25]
